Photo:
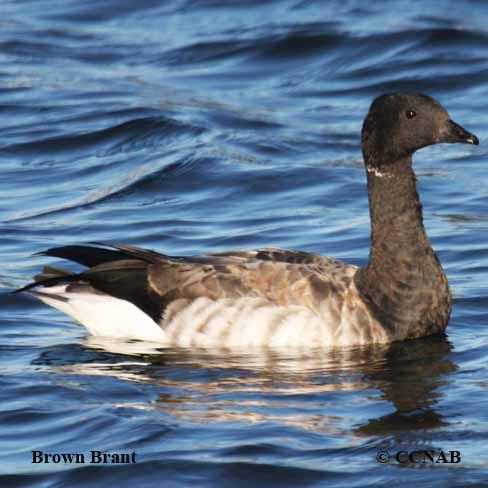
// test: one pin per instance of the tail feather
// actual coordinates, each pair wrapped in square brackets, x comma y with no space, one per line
[51,272]
[121,273]
[45,297]
[49,276]
[47,282]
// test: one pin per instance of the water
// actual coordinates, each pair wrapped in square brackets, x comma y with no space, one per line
[191,126]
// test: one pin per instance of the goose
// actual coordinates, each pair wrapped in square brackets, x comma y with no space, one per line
[279,297]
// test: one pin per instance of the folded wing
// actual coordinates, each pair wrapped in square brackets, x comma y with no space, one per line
[151,281]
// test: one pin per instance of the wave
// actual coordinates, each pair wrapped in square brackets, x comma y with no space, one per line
[124,137]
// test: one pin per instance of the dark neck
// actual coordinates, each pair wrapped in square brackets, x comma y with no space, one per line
[403,281]
[396,214]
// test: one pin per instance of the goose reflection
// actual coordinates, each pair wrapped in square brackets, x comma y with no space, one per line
[320,390]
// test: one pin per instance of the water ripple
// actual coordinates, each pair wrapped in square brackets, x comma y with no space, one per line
[197,126]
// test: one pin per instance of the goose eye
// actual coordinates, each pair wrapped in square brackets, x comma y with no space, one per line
[410,114]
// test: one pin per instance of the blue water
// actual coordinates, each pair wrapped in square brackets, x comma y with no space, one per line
[195,126]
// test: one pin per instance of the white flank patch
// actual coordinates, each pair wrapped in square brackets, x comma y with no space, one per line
[242,322]
[245,322]
[104,315]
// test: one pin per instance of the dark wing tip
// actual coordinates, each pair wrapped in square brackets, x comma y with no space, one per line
[85,255]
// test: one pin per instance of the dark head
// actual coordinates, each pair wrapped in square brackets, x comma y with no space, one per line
[398,124]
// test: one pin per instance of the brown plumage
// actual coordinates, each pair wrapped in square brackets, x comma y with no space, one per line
[275,296]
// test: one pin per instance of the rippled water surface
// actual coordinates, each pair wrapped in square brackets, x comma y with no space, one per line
[190,126]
